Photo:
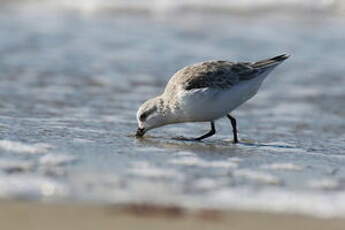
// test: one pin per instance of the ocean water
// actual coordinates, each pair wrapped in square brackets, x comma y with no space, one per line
[72,76]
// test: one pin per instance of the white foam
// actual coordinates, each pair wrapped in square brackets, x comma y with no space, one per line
[324,183]
[195,161]
[30,187]
[208,183]
[145,169]
[278,200]
[257,176]
[19,147]
[283,166]
[81,140]
[56,159]
[184,153]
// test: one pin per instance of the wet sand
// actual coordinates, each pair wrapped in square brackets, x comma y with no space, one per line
[37,215]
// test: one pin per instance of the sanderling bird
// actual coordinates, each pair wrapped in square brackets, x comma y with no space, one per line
[205,92]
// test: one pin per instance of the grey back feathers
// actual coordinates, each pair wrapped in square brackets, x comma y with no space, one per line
[222,74]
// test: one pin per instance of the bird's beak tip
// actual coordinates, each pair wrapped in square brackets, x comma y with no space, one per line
[140,133]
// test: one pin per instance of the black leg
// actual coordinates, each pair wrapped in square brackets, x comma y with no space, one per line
[210,133]
[234,127]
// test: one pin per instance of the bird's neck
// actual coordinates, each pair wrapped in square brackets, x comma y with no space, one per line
[169,109]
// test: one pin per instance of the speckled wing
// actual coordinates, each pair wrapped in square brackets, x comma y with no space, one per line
[214,74]
[220,74]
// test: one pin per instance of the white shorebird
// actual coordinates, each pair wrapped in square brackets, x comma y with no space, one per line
[205,92]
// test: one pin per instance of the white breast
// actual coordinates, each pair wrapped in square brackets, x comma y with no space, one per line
[209,104]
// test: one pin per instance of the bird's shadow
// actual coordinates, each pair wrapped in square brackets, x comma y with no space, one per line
[219,144]
[281,146]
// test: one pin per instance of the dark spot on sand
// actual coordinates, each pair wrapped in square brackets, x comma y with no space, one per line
[148,210]
[209,215]
[168,211]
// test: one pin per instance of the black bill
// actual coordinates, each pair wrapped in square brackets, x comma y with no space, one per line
[140,132]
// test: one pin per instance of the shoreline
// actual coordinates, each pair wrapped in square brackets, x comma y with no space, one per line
[31,215]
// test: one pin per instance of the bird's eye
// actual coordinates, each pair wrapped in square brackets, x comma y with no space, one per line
[143,116]
[147,113]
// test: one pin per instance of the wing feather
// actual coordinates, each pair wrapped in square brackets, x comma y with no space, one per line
[215,74]
[220,74]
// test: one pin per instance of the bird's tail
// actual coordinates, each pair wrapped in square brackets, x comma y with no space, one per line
[271,62]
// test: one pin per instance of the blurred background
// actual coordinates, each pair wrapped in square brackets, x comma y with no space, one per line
[73,73]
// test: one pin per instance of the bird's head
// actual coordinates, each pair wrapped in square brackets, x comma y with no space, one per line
[150,115]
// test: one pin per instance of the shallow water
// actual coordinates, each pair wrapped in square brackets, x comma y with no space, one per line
[71,84]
